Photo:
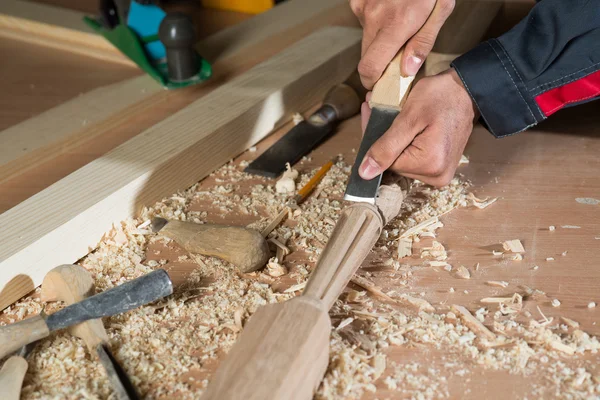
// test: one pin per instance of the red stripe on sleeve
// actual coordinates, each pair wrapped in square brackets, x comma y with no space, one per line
[579,90]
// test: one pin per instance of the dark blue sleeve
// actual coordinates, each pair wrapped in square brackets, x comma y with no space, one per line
[548,61]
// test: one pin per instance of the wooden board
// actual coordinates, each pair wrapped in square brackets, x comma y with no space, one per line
[125,114]
[57,28]
[60,224]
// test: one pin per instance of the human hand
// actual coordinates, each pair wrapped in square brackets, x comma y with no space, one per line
[428,137]
[390,24]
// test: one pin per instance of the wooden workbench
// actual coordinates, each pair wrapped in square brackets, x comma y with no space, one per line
[537,176]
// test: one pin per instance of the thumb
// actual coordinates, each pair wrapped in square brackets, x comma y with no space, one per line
[388,147]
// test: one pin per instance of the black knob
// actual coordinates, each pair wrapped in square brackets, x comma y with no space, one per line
[177,33]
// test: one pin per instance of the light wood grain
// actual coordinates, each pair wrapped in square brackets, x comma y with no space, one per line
[60,224]
[11,377]
[65,147]
[245,248]
[14,336]
[391,90]
[283,350]
[71,284]
[55,27]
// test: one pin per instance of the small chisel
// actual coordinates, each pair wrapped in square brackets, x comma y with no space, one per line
[73,283]
[389,94]
[341,102]
[120,299]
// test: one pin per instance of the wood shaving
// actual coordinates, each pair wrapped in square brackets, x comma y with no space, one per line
[297,118]
[481,204]
[462,273]
[420,304]
[555,303]
[550,259]
[591,304]
[502,284]
[463,160]
[275,269]
[287,182]
[473,323]
[404,247]
[371,288]
[514,246]
[551,228]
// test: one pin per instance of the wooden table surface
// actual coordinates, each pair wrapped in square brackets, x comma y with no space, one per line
[538,176]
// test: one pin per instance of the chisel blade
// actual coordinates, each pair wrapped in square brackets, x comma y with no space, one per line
[295,144]
[119,299]
[359,189]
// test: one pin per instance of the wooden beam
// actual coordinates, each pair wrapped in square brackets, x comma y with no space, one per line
[63,222]
[57,28]
[94,123]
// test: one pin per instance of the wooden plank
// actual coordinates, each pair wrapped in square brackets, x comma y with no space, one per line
[60,224]
[57,28]
[120,114]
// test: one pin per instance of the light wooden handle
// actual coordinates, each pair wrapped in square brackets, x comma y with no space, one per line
[391,90]
[11,377]
[17,335]
[71,284]
[354,235]
[245,248]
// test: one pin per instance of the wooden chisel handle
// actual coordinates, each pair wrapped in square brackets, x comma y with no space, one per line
[346,97]
[19,334]
[353,237]
[11,377]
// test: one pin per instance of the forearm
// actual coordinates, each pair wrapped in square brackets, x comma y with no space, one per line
[550,60]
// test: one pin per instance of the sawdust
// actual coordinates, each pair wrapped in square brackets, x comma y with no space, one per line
[164,344]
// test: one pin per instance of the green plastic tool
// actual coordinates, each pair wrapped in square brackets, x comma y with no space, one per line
[126,40]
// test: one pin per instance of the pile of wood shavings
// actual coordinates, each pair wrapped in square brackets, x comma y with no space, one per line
[170,348]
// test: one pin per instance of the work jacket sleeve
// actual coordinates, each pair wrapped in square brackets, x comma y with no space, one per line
[548,61]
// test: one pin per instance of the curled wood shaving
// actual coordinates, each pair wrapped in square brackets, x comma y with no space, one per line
[287,182]
[481,204]
[570,323]
[282,249]
[295,288]
[275,269]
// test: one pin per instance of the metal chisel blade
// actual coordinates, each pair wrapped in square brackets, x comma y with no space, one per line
[295,144]
[119,299]
[117,376]
[359,189]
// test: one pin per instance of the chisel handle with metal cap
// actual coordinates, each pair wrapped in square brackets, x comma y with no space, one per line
[120,299]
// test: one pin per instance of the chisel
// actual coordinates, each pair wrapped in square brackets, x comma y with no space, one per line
[389,95]
[341,102]
[71,284]
[119,299]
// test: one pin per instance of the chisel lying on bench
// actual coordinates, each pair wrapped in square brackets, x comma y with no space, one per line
[120,299]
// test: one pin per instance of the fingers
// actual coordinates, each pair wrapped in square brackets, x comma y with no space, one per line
[420,45]
[378,55]
[387,148]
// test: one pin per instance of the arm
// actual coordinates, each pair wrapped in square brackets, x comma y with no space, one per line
[550,60]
